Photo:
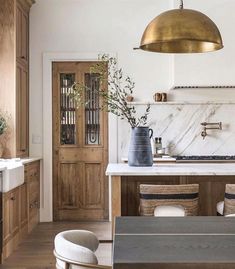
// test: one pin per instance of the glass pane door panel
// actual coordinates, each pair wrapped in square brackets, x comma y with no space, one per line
[92,112]
[67,110]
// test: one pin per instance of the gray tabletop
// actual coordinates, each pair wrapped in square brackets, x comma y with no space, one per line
[165,243]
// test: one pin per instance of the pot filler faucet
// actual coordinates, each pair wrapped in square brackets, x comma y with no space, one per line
[212,126]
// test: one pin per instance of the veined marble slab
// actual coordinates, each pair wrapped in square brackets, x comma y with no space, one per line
[179,125]
[177,169]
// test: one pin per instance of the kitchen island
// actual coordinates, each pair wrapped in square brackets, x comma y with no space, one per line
[124,183]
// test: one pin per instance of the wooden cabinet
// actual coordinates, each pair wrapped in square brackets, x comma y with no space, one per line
[14,69]
[6,217]
[22,111]
[32,179]
[22,33]
[21,209]
[11,221]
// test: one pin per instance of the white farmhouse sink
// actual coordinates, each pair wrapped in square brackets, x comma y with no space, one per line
[13,176]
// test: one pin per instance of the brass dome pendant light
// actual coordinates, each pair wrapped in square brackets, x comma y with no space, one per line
[181,31]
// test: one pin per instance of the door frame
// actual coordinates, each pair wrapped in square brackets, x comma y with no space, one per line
[46,211]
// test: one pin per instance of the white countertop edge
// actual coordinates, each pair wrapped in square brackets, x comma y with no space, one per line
[173,173]
[30,160]
[3,165]
[2,168]
[205,169]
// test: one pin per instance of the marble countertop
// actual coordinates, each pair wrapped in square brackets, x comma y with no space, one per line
[167,169]
[4,163]
[30,160]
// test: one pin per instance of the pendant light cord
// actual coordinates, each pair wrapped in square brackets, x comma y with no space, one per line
[181,4]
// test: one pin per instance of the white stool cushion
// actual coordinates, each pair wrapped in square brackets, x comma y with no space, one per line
[76,245]
[220,208]
[230,215]
[169,211]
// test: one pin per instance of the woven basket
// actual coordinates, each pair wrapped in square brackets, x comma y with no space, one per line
[229,199]
[155,195]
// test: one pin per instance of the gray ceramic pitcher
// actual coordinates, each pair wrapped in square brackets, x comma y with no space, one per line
[140,152]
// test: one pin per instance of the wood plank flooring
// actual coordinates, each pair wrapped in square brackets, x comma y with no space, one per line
[36,251]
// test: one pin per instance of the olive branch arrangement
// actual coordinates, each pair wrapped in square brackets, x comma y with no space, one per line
[5,130]
[115,99]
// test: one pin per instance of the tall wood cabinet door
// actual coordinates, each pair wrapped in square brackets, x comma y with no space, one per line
[32,178]
[22,115]
[23,205]
[22,34]
[11,218]
[6,217]
[15,211]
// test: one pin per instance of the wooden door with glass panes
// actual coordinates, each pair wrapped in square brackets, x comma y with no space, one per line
[80,146]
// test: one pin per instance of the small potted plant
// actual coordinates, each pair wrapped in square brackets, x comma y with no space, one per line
[115,101]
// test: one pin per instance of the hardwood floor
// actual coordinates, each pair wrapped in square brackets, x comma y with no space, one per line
[36,250]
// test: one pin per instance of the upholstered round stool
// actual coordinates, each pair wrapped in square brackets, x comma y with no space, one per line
[220,208]
[75,249]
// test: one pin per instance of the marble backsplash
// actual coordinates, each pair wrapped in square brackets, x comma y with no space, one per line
[179,125]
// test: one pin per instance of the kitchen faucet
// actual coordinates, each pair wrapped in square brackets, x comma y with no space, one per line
[214,126]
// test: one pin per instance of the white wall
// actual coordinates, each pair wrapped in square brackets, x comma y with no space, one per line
[215,68]
[94,26]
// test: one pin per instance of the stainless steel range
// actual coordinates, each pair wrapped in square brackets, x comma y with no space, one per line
[205,159]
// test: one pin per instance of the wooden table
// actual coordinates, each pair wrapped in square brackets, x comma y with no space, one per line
[174,243]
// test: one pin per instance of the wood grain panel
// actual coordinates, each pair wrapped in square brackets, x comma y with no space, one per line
[15,211]
[22,102]
[32,178]
[211,191]
[25,38]
[18,31]
[68,185]
[7,68]
[80,154]
[23,210]
[93,185]
[6,218]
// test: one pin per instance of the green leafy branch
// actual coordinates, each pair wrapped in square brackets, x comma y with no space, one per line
[115,99]
[3,123]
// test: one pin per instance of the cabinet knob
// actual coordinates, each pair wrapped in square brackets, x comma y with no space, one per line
[36,204]
[13,198]
[23,57]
